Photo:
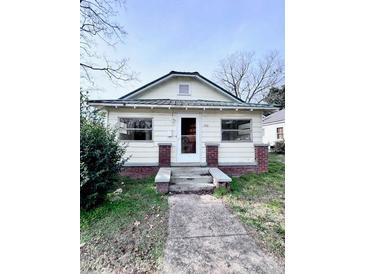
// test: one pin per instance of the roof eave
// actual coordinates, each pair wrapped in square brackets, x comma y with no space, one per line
[273,123]
[179,107]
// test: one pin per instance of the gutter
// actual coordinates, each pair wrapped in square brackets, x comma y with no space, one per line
[179,107]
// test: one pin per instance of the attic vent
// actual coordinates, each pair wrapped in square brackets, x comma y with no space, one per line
[184,89]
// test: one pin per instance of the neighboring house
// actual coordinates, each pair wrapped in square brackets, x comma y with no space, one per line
[184,119]
[274,127]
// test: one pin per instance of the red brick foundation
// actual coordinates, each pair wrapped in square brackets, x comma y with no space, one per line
[139,172]
[212,155]
[238,170]
[262,158]
[164,155]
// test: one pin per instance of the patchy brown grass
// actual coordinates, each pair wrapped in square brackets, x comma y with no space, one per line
[127,235]
[259,201]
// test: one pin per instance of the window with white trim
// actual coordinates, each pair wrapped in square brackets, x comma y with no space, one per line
[136,129]
[184,89]
[236,130]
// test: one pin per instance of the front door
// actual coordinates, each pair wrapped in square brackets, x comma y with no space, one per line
[188,146]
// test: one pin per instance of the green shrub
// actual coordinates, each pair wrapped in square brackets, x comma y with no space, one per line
[101,155]
[279,147]
[101,158]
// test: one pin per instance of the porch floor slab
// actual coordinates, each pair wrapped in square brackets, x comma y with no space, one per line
[205,237]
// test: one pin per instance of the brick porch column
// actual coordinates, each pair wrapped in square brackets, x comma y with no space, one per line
[262,157]
[212,154]
[164,155]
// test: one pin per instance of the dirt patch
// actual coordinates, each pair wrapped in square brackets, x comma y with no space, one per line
[136,248]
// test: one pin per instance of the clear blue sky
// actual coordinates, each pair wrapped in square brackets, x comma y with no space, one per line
[192,35]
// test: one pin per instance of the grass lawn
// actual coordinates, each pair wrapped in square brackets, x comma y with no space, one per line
[258,200]
[127,235]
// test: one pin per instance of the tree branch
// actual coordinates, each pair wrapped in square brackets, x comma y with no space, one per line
[249,78]
[96,25]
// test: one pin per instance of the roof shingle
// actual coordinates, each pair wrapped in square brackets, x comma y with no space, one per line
[278,116]
[170,102]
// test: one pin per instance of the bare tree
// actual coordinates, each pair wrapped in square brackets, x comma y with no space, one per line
[97,23]
[250,78]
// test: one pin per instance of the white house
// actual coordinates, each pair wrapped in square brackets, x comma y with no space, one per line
[184,119]
[274,127]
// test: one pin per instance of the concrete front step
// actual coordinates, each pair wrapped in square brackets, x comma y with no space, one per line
[198,180]
[176,179]
[188,187]
[183,171]
[191,180]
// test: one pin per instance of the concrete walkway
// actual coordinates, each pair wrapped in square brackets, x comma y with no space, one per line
[204,237]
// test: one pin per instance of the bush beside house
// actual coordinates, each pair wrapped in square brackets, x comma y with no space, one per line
[101,157]
[279,147]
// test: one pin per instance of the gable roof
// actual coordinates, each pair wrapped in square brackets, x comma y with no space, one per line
[276,117]
[128,100]
[181,73]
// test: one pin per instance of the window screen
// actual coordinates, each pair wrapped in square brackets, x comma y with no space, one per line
[136,129]
[236,130]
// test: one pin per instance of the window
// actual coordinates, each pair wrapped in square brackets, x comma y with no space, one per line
[139,129]
[236,130]
[280,133]
[184,89]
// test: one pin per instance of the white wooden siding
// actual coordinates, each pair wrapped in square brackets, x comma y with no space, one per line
[170,90]
[270,135]
[230,152]
[146,152]
[164,131]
